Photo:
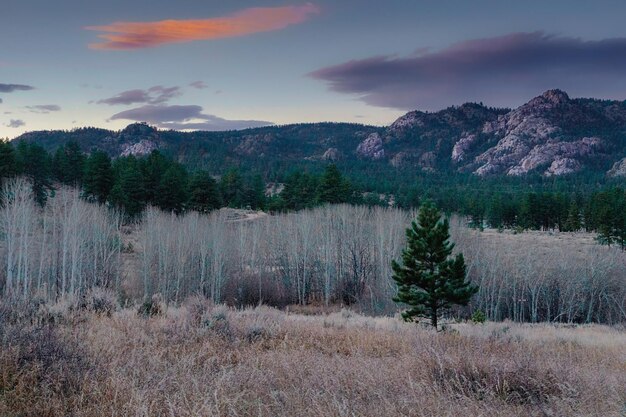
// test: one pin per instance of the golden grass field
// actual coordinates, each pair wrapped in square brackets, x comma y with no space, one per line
[205,360]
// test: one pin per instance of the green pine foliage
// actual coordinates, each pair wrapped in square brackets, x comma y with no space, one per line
[333,187]
[99,177]
[8,164]
[430,280]
[128,191]
[34,162]
[204,193]
[172,193]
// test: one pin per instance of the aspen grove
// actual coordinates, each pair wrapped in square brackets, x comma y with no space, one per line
[333,254]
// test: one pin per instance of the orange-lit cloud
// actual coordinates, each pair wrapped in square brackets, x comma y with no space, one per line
[135,35]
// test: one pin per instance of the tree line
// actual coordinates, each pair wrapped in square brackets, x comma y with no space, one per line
[133,183]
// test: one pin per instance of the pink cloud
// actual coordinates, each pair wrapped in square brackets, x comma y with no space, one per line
[136,35]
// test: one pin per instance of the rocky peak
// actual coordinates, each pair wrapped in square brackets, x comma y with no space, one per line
[371,147]
[409,120]
[555,97]
[136,139]
[138,129]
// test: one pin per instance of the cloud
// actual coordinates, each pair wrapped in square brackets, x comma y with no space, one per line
[135,35]
[15,123]
[154,95]
[200,85]
[500,70]
[188,117]
[9,88]
[44,108]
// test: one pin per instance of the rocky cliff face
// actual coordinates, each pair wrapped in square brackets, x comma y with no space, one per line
[371,148]
[550,134]
[618,169]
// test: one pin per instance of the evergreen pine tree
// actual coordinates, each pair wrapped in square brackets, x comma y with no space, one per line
[99,178]
[204,194]
[333,188]
[429,279]
[34,162]
[8,167]
[152,168]
[76,163]
[128,192]
[231,186]
[573,224]
[254,193]
[172,189]
[68,164]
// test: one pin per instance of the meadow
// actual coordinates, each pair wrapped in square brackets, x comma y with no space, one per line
[89,357]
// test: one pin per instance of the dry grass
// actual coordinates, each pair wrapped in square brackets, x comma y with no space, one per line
[205,360]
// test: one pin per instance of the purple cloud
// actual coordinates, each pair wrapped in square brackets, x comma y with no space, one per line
[154,95]
[9,88]
[15,123]
[200,85]
[44,108]
[189,117]
[502,71]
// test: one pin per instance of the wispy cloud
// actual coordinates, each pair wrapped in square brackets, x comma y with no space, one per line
[502,71]
[15,123]
[200,85]
[135,35]
[9,88]
[154,95]
[184,117]
[44,108]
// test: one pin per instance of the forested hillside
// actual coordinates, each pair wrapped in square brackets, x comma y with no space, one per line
[551,135]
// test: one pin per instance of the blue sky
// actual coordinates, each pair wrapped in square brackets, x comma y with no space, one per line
[286,62]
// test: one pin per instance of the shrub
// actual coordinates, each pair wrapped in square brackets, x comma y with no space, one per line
[217,321]
[478,317]
[483,381]
[41,371]
[99,301]
[197,306]
[257,333]
[152,307]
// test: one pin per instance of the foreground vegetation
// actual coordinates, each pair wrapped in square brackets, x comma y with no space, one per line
[88,357]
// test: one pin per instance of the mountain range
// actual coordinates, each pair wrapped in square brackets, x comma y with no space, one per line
[551,135]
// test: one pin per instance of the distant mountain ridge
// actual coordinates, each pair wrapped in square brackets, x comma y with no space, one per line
[552,135]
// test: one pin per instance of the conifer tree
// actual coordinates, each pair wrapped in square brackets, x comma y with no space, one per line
[573,224]
[8,166]
[99,178]
[333,187]
[34,162]
[172,189]
[128,191]
[429,279]
[204,194]
[68,164]
[231,186]
[152,168]
[254,193]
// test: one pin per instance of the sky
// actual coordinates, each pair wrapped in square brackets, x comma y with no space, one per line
[219,65]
